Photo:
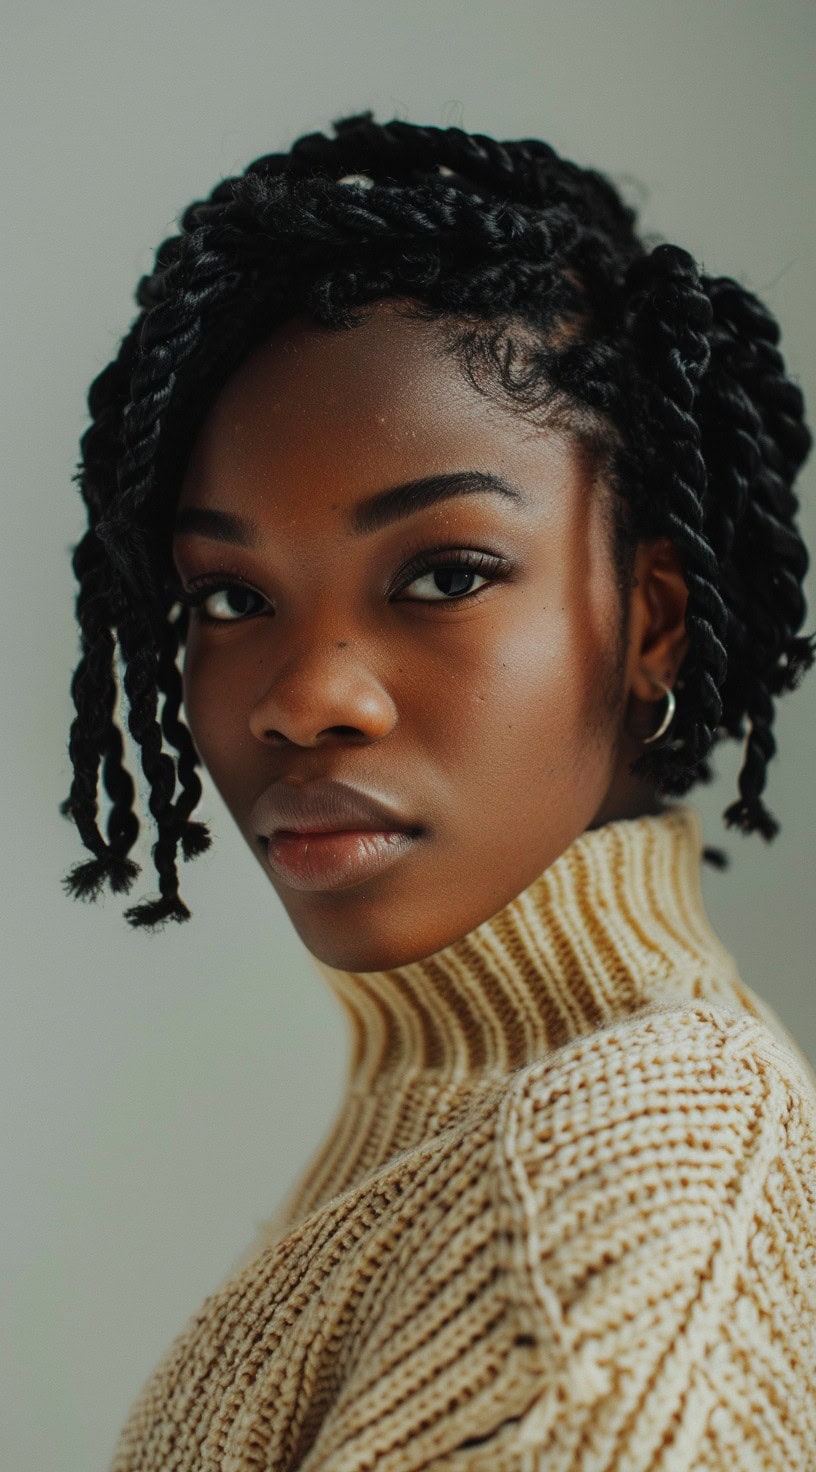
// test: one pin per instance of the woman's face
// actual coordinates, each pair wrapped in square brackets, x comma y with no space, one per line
[484,705]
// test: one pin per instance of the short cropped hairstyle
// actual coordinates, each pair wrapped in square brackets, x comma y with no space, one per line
[548,295]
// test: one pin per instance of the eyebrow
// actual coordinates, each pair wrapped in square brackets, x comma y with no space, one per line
[370,515]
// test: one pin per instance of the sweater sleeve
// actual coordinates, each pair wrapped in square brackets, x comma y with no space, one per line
[662,1186]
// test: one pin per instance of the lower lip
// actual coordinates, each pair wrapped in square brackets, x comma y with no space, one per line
[334,860]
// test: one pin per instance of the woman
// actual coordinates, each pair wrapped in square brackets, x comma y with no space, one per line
[474,516]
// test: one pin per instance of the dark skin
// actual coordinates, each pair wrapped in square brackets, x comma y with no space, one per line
[504,718]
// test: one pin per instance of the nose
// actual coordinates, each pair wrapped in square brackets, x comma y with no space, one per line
[323,692]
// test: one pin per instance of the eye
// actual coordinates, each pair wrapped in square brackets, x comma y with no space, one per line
[207,590]
[448,574]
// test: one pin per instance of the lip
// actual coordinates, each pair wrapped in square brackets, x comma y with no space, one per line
[335,859]
[325,806]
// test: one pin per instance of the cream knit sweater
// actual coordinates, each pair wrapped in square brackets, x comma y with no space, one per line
[565,1218]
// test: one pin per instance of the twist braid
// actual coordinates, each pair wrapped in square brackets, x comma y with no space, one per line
[94,733]
[529,170]
[672,317]
[314,212]
[194,837]
[141,687]
[167,335]
[753,420]
[784,442]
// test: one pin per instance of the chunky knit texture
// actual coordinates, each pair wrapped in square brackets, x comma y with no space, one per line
[565,1219]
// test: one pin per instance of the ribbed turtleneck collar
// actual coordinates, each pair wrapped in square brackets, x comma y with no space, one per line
[615,925]
[616,922]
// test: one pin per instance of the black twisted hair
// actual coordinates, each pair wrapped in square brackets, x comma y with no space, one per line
[533,268]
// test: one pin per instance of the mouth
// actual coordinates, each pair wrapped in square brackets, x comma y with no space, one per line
[337,859]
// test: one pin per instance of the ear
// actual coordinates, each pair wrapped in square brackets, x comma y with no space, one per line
[657,639]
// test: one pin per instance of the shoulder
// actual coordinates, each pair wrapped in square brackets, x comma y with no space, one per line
[694,1089]
[660,1176]
[695,1084]
[658,1062]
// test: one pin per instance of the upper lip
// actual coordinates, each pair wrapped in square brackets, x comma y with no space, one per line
[323,807]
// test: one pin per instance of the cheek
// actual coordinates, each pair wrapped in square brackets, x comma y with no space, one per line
[554,704]
[547,676]
[529,721]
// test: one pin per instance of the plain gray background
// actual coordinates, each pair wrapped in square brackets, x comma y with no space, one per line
[163,1092]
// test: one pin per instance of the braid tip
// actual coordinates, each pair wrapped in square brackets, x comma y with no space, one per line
[156,912]
[122,872]
[195,839]
[801,656]
[85,880]
[750,815]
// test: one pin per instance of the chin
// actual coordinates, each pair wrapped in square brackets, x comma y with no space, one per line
[358,952]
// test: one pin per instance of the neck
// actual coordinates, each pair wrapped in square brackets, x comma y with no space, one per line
[615,925]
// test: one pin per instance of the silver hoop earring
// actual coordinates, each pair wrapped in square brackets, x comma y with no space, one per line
[671,706]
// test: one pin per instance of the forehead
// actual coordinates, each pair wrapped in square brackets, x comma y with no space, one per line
[317,417]
[386,382]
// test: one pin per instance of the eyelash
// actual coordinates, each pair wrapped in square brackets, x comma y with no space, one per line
[200,588]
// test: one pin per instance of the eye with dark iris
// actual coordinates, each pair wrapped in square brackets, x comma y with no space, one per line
[452,577]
